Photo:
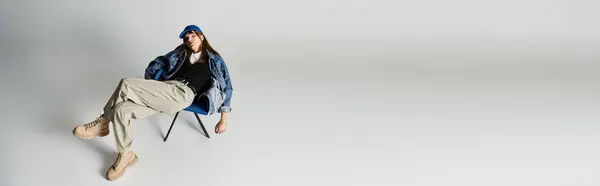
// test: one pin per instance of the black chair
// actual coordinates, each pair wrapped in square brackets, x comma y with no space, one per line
[198,107]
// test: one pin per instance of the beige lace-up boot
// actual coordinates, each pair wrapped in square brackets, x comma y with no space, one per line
[98,127]
[123,162]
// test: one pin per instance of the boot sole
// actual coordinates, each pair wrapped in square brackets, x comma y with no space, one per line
[130,164]
[103,134]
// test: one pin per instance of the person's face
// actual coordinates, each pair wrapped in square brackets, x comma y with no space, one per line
[193,41]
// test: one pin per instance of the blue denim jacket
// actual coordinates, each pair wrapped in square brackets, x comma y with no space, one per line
[219,94]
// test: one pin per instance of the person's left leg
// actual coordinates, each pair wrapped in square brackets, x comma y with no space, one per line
[135,99]
[121,117]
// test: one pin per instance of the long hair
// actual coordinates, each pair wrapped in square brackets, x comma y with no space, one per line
[205,44]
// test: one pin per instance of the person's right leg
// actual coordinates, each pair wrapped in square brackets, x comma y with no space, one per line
[168,97]
[135,99]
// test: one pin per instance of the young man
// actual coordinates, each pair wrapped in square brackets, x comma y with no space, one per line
[192,71]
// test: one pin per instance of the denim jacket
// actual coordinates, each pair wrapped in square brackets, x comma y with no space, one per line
[219,94]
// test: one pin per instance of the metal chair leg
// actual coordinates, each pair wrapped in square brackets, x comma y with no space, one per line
[202,125]
[171,127]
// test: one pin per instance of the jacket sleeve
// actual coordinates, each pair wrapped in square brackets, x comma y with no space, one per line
[226,107]
[161,63]
[155,65]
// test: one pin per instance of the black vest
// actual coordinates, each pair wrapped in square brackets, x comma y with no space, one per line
[198,75]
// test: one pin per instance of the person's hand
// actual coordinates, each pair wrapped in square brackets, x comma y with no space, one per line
[221,127]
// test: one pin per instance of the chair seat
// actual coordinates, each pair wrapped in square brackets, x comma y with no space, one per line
[197,107]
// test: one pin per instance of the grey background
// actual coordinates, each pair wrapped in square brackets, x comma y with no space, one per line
[420,93]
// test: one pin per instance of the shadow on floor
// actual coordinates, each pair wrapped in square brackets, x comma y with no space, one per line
[61,126]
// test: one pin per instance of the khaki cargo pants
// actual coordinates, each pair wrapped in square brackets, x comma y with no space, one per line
[138,98]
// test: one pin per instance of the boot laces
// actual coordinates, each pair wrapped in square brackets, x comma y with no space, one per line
[119,158]
[97,121]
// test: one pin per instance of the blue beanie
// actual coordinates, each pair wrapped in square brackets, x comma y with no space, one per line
[189,28]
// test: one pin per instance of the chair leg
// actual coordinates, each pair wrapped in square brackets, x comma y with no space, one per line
[202,125]
[171,127]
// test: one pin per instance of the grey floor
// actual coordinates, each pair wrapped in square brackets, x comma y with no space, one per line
[512,107]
